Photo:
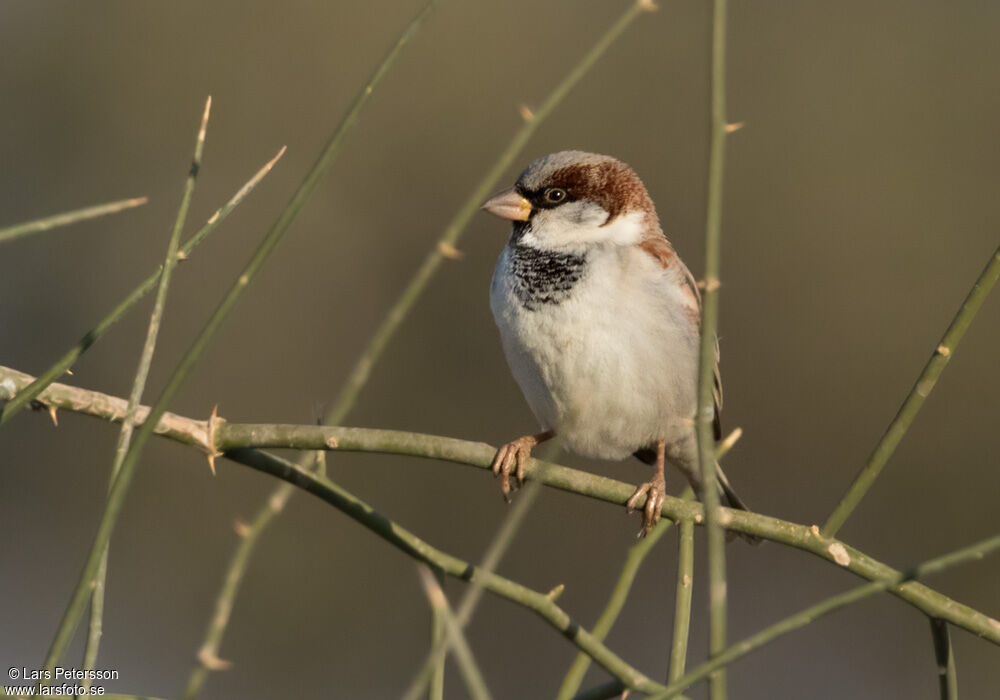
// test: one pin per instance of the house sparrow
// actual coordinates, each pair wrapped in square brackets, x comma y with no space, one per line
[600,321]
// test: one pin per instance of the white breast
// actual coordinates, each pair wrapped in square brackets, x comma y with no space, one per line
[611,367]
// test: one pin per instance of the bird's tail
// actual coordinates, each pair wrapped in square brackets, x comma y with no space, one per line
[731,499]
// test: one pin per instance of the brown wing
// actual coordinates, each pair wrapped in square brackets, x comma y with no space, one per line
[691,286]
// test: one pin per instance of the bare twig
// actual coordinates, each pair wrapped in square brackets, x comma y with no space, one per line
[682,599]
[491,559]
[29,393]
[70,217]
[234,575]
[95,584]
[918,394]
[637,554]
[945,656]
[709,344]
[971,553]
[453,631]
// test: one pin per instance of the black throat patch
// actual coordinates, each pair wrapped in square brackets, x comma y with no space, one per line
[543,277]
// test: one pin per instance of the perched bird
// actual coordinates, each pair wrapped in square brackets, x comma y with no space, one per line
[600,323]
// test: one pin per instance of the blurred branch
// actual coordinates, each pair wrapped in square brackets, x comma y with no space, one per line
[70,217]
[708,352]
[541,603]
[26,395]
[139,385]
[436,689]
[94,584]
[491,559]
[208,659]
[619,594]
[918,394]
[971,553]
[945,655]
[237,440]
[682,600]
[453,631]
[443,248]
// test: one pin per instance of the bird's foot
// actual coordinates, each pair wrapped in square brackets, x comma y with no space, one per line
[654,490]
[511,458]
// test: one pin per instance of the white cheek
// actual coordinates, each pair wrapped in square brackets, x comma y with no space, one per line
[577,225]
[625,230]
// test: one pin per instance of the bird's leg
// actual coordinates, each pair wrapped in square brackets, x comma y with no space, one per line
[516,454]
[655,490]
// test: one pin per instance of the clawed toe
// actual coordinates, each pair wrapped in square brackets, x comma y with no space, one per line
[511,458]
[655,492]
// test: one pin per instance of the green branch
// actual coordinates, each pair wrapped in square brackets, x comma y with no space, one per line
[542,604]
[208,653]
[26,395]
[139,385]
[616,601]
[945,656]
[708,351]
[491,560]
[682,600]
[471,674]
[918,394]
[70,217]
[238,441]
[973,552]
[93,582]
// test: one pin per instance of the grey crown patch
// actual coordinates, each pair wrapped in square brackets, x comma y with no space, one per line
[544,277]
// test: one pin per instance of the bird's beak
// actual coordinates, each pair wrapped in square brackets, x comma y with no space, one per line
[509,205]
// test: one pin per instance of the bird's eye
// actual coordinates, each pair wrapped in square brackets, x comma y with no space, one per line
[555,195]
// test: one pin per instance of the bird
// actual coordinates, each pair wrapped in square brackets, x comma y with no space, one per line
[600,324]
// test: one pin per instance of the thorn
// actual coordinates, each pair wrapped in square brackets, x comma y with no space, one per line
[213,662]
[449,251]
[526,113]
[214,217]
[213,425]
[711,285]
[241,528]
[734,127]
[556,592]
[728,442]
[814,530]
[181,256]
[69,372]
[53,416]
[943,350]
[332,443]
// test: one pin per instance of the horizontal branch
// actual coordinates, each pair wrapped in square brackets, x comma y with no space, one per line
[191,432]
[238,441]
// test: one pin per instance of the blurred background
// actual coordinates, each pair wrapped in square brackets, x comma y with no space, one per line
[860,204]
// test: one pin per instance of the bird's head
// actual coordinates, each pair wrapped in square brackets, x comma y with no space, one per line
[574,200]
